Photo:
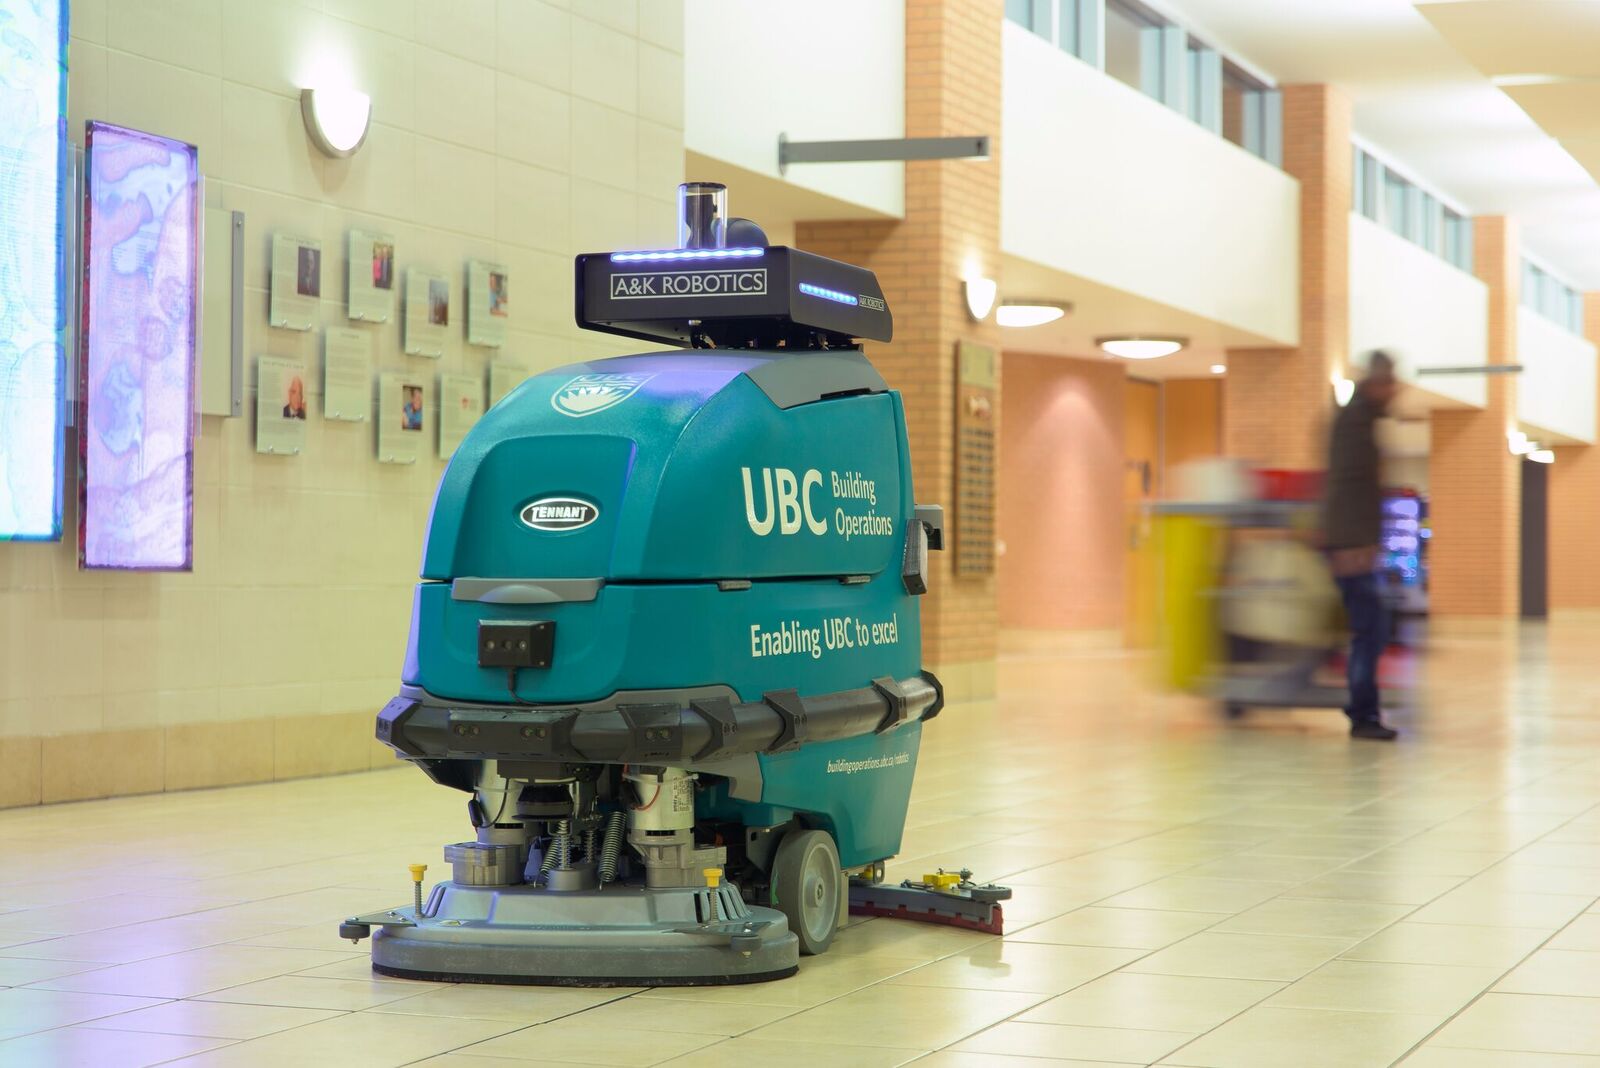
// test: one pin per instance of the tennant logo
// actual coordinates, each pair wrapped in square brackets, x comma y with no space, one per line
[559,513]
[715,283]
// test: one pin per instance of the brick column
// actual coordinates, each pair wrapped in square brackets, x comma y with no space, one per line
[1575,506]
[1276,401]
[1474,481]
[951,226]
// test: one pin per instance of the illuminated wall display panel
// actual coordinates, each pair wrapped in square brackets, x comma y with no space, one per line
[33,169]
[140,292]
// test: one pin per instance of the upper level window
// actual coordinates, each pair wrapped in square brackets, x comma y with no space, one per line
[1389,198]
[1071,25]
[1142,48]
[1552,298]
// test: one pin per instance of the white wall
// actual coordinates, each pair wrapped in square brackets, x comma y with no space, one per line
[1428,313]
[507,129]
[823,70]
[1102,182]
[1556,390]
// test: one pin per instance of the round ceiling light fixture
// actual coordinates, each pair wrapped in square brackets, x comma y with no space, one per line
[1219,368]
[1141,348]
[1019,313]
[336,119]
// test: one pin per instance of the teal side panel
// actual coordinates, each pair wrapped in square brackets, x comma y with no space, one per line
[857,789]
[817,637]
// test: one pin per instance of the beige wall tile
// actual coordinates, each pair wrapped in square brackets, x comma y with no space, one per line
[218,754]
[21,767]
[105,763]
[320,745]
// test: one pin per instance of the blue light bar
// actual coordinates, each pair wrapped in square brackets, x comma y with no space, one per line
[691,254]
[828,294]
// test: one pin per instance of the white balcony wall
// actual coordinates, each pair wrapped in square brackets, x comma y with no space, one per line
[1102,182]
[1556,390]
[825,70]
[1428,313]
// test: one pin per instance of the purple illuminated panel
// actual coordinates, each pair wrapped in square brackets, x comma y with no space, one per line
[141,254]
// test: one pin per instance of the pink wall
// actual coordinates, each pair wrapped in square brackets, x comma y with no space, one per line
[1062,514]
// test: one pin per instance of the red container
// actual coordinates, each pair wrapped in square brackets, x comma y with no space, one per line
[1283,484]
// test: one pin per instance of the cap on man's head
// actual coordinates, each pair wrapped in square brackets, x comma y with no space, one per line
[1380,365]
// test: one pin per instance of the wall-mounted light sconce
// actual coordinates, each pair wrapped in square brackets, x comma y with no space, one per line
[1030,312]
[1343,389]
[980,296]
[1521,445]
[1140,348]
[1543,456]
[336,119]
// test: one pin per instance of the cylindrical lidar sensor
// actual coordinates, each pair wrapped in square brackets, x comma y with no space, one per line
[702,215]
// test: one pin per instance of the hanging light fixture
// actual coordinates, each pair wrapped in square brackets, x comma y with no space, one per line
[1141,348]
[1019,313]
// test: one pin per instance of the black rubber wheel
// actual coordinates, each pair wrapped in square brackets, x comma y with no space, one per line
[805,887]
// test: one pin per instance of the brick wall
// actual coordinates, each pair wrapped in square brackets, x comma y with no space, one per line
[951,226]
[1474,481]
[1276,404]
[1575,507]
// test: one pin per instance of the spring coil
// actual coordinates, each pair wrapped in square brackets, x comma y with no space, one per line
[610,848]
[558,854]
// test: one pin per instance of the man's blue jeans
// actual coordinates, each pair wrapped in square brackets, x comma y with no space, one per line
[1364,609]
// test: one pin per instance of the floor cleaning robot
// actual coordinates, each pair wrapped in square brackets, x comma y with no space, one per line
[666,636]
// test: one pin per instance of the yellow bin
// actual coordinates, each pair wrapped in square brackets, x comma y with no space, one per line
[1190,555]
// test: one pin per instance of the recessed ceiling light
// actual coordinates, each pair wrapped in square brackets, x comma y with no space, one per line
[1030,312]
[1141,348]
[1219,368]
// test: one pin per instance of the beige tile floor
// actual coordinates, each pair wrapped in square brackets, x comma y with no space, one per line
[1187,894]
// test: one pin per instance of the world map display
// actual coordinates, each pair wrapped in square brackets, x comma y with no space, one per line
[137,375]
[33,154]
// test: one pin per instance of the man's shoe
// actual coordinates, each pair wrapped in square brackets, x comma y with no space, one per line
[1373,729]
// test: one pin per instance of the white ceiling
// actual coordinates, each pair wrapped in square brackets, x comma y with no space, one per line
[1425,106]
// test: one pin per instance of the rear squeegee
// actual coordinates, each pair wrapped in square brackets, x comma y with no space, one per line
[949,898]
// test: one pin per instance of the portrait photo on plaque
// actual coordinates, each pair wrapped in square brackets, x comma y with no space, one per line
[402,416]
[280,406]
[296,284]
[488,303]
[371,281]
[427,319]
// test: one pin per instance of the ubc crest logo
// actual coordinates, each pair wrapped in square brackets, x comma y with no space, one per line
[588,394]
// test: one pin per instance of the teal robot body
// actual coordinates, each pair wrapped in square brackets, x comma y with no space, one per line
[667,633]
[737,543]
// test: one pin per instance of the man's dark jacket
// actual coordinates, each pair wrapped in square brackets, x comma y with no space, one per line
[1353,507]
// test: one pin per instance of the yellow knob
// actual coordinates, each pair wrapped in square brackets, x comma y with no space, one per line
[417,871]
[713,877]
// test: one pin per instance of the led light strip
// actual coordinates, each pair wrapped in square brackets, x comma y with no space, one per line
[690,254]
[828,294]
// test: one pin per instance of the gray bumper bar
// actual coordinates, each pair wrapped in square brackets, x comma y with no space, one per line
[419,726]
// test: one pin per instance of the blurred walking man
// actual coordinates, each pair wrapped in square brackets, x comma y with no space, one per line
[1351,527]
